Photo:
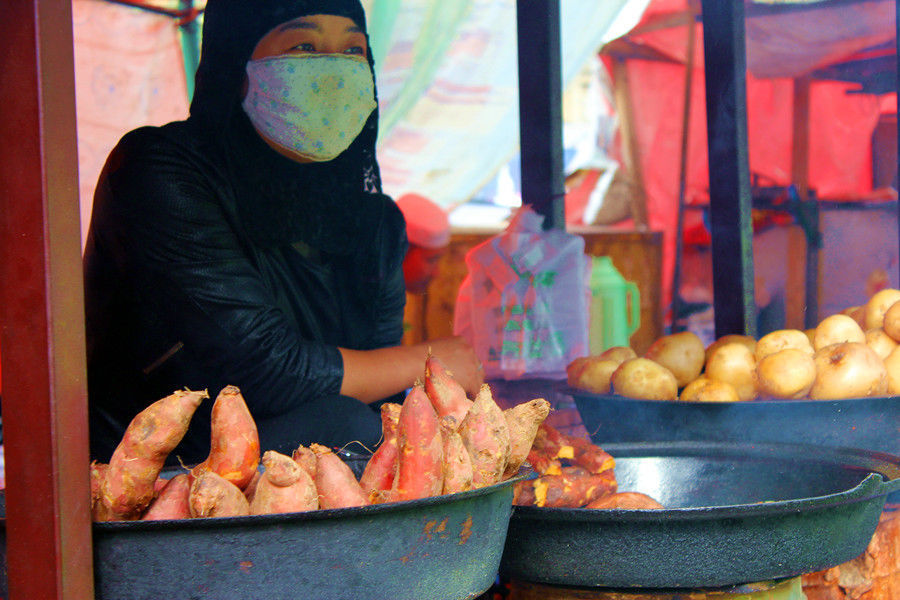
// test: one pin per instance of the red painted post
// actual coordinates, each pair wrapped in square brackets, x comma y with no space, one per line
[49,551]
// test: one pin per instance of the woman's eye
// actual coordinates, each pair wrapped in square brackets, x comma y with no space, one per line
[304,47]
[354,50]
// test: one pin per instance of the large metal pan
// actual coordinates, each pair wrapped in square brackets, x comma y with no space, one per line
[440,547]
[864,423]
[735,514]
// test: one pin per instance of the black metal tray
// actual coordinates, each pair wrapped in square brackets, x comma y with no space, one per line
[441,547]
[864,423]
[735,513]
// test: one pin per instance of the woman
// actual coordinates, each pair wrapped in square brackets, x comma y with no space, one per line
[250,244]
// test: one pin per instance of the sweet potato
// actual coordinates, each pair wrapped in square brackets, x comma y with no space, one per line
[98,510]
[627,501]
[378,476]
[590,456]
[457,466]
[306,458]
[485,435]
[128,486]
[523,421]
[420,460]
[447,396]
[335,482]
[234,440]
[573,488]
[214,496]
[283,487]
[543,464]
[173,501]
[250,490]
[551,442]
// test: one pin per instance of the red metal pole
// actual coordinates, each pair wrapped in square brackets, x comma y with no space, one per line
[49,552]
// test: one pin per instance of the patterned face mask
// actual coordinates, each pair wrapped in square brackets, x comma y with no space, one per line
[312,104]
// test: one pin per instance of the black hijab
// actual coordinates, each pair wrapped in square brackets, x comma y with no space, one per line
[330,205]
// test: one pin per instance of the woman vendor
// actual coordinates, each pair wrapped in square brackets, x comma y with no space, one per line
[251,244]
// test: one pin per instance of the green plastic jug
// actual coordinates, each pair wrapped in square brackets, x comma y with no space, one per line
[615,306]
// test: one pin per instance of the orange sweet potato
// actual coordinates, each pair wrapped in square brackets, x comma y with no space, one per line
[128,486]
[590,456]
[337,486]
[378,476]
[98,472]
[523,421]
[234,440]
[626,500]
[551,442]
[250,490]
[172,501]
[214,496]
[283,487]
[543,464]
[419,463]
[485,435]
[306,458]
[573,488]
[447,396]
[457,466]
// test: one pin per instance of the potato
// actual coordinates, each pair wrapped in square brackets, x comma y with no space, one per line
[892,365]
[880,342]
[836,329]
[618,353]
[643,379]
[848,370]
[788,374]
[857,313]
[734,363]
[877,306]
[747,340]
[706,389]
[891,324]
[781,339]
[681,353]
[594,376]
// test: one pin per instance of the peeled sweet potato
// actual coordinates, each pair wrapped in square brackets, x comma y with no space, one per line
[626,500]
[551,442]
[590,456]
[214,496]
[457,462]
[128,486]
[335,482]
[485,435]
[234,440]
[420,460]
[378,476]
[283,487]
[523,421]
[173,501]
[543,464]
[446,394]
[573,488]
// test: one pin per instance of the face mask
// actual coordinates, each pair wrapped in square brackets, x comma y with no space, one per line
[312,104]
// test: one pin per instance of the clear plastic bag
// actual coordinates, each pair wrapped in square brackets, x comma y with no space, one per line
[523,305]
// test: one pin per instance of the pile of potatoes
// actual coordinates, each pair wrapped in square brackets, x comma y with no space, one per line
[853,354]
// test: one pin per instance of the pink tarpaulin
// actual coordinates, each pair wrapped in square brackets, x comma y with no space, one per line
[841,123]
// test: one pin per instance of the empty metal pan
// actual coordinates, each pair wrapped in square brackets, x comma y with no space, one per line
[735,513]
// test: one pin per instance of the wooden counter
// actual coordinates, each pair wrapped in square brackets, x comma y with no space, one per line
[636,254]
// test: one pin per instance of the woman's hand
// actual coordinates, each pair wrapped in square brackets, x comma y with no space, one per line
[460,359]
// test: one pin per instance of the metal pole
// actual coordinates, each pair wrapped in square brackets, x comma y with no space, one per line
[48,519]
[540,110]
[729,176]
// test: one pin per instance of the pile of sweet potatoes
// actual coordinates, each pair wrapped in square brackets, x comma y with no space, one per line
[437,441]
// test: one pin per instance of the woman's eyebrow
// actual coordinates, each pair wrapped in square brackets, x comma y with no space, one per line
[298,25]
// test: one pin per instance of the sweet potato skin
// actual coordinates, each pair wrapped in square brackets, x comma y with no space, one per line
[283,487]
[378,476]
[214,496]
[485,435]
[446,394]
[128,485]
[419,463]
[306,458]
[573,488]
[173,501]
[523,421]
[234,440]
[457,467]
[335,482]
[627,501]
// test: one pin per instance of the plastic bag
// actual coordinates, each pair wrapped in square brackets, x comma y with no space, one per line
[523,305]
